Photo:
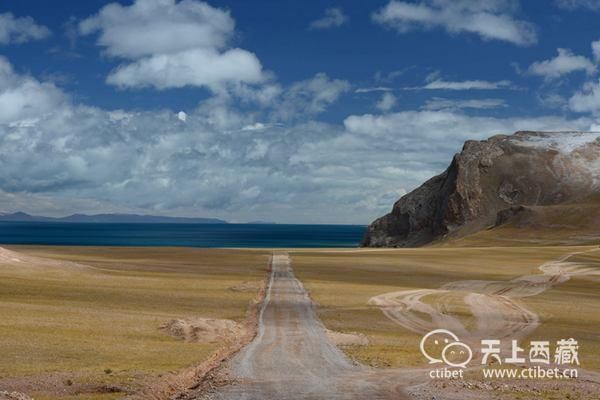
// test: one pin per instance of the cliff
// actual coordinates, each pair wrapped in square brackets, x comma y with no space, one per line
[488,182]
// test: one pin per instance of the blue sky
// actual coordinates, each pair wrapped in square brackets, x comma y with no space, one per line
[279,110]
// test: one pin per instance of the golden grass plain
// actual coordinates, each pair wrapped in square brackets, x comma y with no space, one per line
[343,282]
[103,322]
[91,334]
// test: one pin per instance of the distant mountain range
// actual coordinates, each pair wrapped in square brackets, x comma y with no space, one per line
[110,218]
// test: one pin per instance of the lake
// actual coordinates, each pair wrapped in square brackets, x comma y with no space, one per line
[189,235]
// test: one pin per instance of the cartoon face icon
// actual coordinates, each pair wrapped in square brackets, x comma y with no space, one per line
[433,344]
[457,354]
[443,346]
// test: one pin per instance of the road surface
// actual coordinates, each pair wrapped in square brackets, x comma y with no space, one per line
[291,356]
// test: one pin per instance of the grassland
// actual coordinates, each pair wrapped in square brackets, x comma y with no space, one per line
[93,333]
[343,282]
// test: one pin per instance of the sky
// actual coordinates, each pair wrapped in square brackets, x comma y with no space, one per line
[285,111]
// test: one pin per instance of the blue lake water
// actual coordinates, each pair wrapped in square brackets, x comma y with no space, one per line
[190,235]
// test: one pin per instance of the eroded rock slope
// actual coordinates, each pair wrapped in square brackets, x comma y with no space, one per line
[491,180]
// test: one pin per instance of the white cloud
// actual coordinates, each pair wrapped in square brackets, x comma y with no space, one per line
[596,50]
[489,19]
[225,162]
[587,99]
[221,162]
[334,17]
[20,29]
[257,126]
[182,116]
[438,103]
[387,102]
[450,128]
[564,63]
[552,100]
[172,44]
[149,27]
[196,67]
[311,96]
[440,84]
[23,98]
[575,4]
[373,89]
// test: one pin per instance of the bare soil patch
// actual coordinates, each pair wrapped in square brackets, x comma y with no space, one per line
[25,261]
[247,286]
[203,330]
[504,390]
[4,395]
[57,385]
[342,339]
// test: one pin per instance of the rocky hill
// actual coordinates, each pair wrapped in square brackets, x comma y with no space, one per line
[491,183]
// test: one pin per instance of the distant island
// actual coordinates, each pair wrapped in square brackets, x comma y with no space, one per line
[109,218]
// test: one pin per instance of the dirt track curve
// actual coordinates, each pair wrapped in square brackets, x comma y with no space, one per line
[493,304]
[291,356]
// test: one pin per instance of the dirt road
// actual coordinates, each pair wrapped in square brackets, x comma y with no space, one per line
[291,356]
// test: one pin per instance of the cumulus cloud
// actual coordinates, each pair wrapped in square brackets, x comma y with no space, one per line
[224,160]
[564,63]
[197,67]
[334,17]
[24,99]
[440,84]
[150,27]
[587,99]
[20,29]
[387,102]
[172,44]
[489,19]
[220,162]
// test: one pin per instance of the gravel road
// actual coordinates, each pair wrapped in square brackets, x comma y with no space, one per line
[291,356]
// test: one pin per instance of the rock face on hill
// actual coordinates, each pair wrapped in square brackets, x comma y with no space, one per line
[488,182]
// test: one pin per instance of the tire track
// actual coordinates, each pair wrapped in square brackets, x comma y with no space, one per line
[492,304]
